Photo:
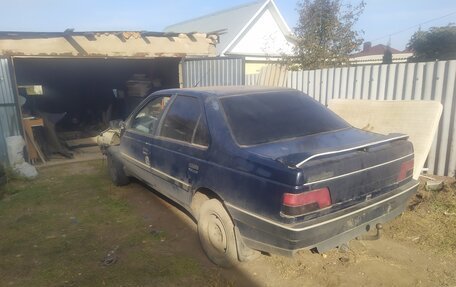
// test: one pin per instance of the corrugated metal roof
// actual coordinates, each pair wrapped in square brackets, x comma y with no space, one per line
[230,21]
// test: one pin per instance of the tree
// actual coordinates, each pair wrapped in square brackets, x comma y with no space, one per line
[325,33]
[438,43]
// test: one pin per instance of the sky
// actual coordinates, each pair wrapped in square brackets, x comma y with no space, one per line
[381,21]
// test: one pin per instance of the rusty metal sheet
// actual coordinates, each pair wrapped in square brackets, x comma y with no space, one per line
[107,44]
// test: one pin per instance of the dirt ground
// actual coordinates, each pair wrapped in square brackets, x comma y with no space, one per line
[390,261]
[155,243]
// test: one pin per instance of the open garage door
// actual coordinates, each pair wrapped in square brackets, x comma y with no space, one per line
[74,99]
[215,71]
[88,89]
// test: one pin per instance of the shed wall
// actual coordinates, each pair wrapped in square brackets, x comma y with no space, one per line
[9,118]
[213,72]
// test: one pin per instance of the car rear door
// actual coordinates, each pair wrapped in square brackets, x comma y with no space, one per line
[179,150]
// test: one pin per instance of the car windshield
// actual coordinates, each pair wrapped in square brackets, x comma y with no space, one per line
[271,116]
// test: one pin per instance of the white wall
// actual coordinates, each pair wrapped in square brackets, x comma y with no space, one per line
[264,37]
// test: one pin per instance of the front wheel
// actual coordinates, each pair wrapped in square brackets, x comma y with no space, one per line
[116,171]
[216,233]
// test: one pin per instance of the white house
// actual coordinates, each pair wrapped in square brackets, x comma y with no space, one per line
[256,31]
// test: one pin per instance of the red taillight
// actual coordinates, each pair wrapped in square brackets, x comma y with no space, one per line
[296,204]
[406,170]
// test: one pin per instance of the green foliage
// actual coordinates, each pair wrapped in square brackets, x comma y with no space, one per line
[438,43]
[325,33]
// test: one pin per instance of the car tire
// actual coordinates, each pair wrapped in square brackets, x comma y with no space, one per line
[216,233]
[116,172]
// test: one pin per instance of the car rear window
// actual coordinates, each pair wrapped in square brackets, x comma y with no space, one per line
[266,117]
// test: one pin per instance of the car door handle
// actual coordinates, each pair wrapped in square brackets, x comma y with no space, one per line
[194,168]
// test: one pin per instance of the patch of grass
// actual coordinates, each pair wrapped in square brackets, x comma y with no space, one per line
[431,222]
[58,228]
[158,235]
[11,176]
[444,206]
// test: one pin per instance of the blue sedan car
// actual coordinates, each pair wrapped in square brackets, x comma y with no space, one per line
[263,169]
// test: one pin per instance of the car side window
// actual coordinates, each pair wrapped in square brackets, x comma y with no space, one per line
[201,135]
[185,122]
[146,120]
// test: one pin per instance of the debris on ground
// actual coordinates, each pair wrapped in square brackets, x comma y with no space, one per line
[157,234]
[344,248]
[434,185]
[111,257]
[419,198]
[74,220]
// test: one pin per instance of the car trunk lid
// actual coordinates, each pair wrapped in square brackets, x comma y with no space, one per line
[354,165]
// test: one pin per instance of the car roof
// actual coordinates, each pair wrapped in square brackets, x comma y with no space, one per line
[221,91]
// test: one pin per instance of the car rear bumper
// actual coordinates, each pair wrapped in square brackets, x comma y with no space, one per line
[324,232]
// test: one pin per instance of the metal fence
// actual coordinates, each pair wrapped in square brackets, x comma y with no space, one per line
[213,72]
[9,124]
[406,81]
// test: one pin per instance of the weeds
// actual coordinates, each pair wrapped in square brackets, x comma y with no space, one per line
[431,218]
[57,229]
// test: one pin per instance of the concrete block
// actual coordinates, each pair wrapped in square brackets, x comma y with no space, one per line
[434,185]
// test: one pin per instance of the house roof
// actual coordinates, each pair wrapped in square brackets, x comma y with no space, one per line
[229,23]
[374,54]
[376,50]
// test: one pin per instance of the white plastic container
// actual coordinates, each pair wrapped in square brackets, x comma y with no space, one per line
[15,146]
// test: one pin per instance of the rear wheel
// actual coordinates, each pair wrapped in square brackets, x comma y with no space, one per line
[216,233]
[116,172]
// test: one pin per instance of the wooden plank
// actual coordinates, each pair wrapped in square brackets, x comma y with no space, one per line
[34,152]
[92,141]
[30,138]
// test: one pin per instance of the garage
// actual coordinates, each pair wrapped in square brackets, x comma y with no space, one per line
[65,88]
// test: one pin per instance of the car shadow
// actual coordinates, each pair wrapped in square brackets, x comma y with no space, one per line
[161,214]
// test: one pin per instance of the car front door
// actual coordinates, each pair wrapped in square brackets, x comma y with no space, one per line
[136,140]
